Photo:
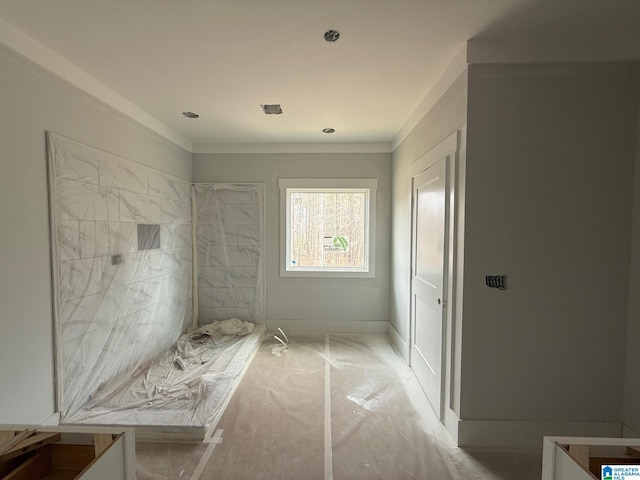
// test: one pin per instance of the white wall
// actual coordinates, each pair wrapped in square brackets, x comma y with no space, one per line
[319,304]
[550,155]
[631,413]
[33,101]
[445,117]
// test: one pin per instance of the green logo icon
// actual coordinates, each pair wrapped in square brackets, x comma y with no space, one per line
[340,243]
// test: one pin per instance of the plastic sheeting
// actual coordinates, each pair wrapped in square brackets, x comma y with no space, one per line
[117,306]
[336,406]
[163,393]
[123,282]
[230,252]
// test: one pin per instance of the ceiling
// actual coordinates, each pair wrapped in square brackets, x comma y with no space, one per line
[224,58]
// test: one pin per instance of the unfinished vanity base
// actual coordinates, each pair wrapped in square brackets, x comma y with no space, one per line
[66,453]
[583,458]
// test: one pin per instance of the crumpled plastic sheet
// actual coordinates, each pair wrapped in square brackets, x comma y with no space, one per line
[162,393]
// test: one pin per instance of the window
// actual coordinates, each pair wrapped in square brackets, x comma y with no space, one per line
[327,227]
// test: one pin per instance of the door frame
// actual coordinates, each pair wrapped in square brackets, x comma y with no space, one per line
[450,149]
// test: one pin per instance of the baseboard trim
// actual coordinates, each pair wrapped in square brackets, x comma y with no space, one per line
[399,344]
[328,326]
[527,434]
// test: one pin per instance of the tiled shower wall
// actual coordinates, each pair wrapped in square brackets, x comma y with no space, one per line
[117,306]
[230,246]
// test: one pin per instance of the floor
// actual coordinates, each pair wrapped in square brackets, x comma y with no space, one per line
[331,407]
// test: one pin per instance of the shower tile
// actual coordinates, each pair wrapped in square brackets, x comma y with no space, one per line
[113,205]
[174,210]
[79,278]
[242,276]
[211,276]
[138,208]
[87,239]
[101,239]
[81,309]
[216,235]
[241,215]
[100,203]
[123,238]
[138,266]
[68,232]
[124,175]
[249,235]
[168,187]
[74,200]
[71,162]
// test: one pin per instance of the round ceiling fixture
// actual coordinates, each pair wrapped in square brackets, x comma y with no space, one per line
[190,115]
[331,35]
[328,130]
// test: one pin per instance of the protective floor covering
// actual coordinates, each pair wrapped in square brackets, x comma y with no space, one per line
[164,399]
[333,406]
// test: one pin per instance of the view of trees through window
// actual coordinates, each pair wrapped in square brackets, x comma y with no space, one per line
[328,228]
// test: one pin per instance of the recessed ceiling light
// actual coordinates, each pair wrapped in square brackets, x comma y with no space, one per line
[273,109]
[190,115]
[331,35]
[328,130]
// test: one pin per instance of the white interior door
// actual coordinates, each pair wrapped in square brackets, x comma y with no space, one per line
[427,280]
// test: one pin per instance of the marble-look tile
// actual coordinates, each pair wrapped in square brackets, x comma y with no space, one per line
[100,203]
[138,266]
[101,245]
[211,276]
[110,306]
[113,204]
[81,309]
[241,215]
[161,185]
[138,208]
[71,160]
[79,278]
[236,196]
[173,211]
[226,297]
[216,234]
[163,262]
[250,235]
[242,276]
[226,313]
[74,200]
[68,233]
[209,256]
[124,175]
[123,238]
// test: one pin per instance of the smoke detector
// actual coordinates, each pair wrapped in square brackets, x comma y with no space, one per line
[273,109]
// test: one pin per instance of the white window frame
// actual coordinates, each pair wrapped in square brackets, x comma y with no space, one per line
[287,185]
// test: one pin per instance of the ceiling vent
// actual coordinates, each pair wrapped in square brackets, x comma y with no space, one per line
[274,109]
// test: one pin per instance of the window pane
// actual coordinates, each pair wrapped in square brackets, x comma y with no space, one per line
[327,229]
